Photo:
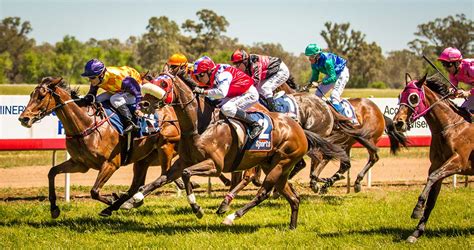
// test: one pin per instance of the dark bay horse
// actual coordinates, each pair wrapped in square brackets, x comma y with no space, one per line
[218,149]
[452,139]
[373,123]
[92,142]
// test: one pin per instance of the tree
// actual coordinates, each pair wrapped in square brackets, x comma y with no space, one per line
[14,41]
[162,39]
[70,59]
[364,60]
[397,64]
[207,33]
[434,36]
[340,40]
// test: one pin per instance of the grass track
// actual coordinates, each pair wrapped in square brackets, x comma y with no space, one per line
[375,219]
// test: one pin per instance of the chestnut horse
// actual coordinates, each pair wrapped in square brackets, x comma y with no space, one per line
[218,149]
[93,142]
[452,139]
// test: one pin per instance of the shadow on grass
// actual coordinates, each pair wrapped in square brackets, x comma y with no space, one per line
[119,225]
[400,234]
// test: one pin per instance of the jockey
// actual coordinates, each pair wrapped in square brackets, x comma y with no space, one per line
[178,63]
[460,70]
[233,87]
[334,67]
[121,85]
[267,72]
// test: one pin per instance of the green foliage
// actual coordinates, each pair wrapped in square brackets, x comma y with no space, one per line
[377,85]
[452,31]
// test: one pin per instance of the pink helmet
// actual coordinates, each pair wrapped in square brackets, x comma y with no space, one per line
[203,64]
[450,55]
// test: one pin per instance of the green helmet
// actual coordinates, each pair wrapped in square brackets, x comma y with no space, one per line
[312,49]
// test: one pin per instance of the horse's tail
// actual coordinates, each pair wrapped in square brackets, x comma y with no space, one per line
[329,150]
[396,138]
[359,134]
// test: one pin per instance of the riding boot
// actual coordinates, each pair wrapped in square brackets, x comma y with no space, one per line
[255,127]
[270,104]
[128,123]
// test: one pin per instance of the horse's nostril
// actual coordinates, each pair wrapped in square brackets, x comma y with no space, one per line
[23,119]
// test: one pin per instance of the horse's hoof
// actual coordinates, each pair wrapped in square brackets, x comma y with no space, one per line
[229,220]
[127,206]
[223,208]
[200,213]
[106,213]
[276,195]
[324,190]
[412,239]
[315,188]
[357,188]
[55,212]
[417,213]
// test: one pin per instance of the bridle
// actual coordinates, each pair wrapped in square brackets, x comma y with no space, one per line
[419,108]
[57,98]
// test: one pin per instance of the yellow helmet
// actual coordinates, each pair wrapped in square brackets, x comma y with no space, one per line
[177,59]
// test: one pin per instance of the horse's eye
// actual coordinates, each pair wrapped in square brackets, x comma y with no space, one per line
[164,85]
[413,99]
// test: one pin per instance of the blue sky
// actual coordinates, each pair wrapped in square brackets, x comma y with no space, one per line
[293,24]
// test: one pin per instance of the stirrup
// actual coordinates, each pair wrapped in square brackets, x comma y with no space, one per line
[130,128]
[255,132]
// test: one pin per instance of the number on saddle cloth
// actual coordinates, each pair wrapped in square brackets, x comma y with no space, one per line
[264,141]
[284,104]
[348,110]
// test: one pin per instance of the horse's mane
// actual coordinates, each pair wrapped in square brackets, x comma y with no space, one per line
[291,82]
[63,85]
[437,85]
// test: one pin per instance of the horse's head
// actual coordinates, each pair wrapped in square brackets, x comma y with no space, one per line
[43,101]
[411,104]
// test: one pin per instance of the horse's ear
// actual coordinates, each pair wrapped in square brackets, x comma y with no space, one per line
[422,81]
[55,81]
[407,78]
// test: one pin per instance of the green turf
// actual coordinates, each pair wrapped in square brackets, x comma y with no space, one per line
[372,219]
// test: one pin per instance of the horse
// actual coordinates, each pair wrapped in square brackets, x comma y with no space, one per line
[452,138]
[219,148]
[316,112]
[93,142]
[374,123]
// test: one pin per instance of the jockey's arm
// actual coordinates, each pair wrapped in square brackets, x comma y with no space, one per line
[223,84]
[314,75]
[331,76]
[130,85]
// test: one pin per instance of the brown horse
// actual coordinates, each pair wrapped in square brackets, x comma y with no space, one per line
[319,117]
[452,139]
[218,149]
[92,141]
[373,123]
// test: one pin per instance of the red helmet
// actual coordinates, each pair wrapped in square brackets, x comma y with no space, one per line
[239,56]
[203,64]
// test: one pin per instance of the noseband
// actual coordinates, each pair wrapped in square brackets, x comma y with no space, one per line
[54,95]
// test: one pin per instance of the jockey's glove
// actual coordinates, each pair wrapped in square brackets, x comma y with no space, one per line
[198,90]
[88,99]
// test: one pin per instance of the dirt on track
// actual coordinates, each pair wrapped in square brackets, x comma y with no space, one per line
[388,170]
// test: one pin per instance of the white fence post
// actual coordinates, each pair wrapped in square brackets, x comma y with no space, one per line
[455,180]
[369,178]
[67,183]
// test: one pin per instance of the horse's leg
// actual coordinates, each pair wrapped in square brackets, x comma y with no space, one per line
[173,174]
[339,175]
[292,197]
[204,168]
[104,175]
[317,166]
[224,180]
[430,203]
[68,166]
[450,167]
[140,170]
[373,158]
[249,175]
[263,193]
[298,167]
